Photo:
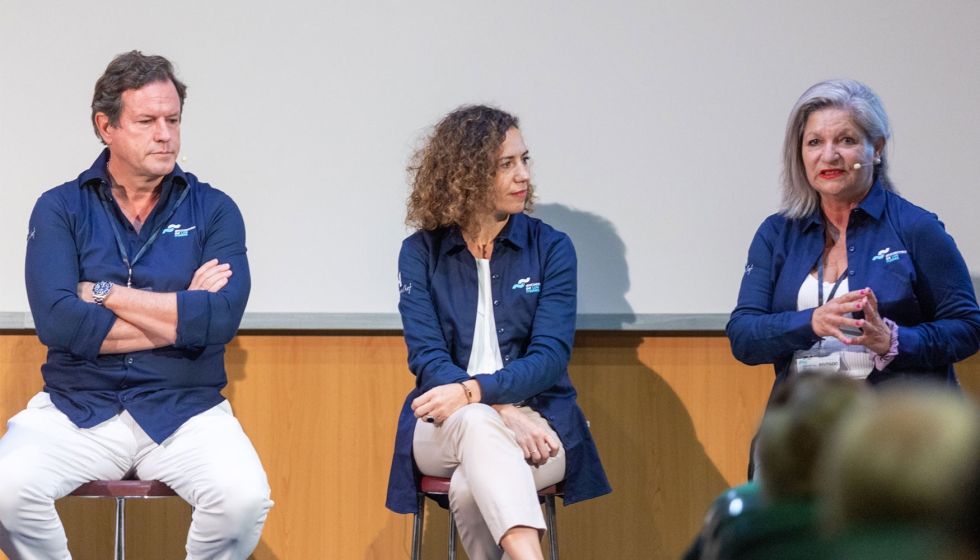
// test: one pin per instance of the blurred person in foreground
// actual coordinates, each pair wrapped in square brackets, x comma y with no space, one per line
[900,477]
[777,518]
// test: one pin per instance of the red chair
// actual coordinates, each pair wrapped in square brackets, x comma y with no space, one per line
[123,490]
[435,486]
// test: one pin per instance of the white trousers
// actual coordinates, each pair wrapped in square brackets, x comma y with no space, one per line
[492,487]
[208,461]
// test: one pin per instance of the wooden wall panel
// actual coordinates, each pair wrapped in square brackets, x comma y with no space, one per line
[672,417]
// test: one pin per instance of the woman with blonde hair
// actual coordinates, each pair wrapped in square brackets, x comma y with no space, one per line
[487,300]
[850,277]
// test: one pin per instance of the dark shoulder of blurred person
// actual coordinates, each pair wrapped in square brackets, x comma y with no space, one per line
[775,517]
[900,478]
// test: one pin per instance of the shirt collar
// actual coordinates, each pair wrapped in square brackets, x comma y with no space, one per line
[516,232]
[98,172]
[873,204]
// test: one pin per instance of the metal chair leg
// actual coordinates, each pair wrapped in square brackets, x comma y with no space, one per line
[549,507]
[452,536]
[120,553]
[417,530]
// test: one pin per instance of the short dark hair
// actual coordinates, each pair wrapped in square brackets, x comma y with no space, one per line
[127,71]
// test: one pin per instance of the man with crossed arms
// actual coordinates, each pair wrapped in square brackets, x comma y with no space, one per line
[137,277]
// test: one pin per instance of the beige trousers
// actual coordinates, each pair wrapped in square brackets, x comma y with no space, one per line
[492,488]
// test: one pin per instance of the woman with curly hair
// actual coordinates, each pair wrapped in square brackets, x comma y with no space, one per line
[487,300]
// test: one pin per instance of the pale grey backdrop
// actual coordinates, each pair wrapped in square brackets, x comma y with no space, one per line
[658,122]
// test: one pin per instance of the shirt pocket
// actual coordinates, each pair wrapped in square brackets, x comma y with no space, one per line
[894,289]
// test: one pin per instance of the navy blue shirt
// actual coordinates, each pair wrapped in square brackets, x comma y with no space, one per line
[71,240]
[533,282]
[899,250]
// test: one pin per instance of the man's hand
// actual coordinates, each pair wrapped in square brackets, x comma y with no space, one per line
[211,276]
[535,441]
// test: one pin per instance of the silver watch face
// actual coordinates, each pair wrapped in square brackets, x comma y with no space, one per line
[100,290]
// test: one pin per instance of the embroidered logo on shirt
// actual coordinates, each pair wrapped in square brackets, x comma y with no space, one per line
[889,257]
[529,288]
[175,229]
[893,256]
[403,288]
[748,269]
[31,234]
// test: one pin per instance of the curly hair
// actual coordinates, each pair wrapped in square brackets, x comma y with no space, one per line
[127,71]
[452,175]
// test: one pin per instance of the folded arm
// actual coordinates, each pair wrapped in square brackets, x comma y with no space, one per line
[148,320]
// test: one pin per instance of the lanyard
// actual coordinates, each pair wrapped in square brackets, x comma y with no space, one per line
[820,283]
[119,240]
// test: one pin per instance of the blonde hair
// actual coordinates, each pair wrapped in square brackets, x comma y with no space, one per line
[907,457]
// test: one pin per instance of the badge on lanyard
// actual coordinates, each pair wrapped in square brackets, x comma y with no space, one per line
[829,363]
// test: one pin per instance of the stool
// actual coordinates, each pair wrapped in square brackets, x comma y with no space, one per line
[436,486]
[122,490]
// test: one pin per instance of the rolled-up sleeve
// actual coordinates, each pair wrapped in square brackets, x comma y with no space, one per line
[205,318]
[61,318]
[552,334]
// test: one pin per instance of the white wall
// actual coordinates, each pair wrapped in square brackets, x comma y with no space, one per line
[660,121]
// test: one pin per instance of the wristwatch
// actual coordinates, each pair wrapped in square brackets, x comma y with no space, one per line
[100,290]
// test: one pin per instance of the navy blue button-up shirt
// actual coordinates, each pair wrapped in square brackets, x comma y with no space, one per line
[533,282]
[899,250]
[71,240]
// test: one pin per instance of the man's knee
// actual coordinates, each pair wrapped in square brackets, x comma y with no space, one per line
[20,489]
[242,500]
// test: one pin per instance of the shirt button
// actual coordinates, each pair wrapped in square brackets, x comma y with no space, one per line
[851,273]
[851,248]
[507,357]
[500,330]
[496,302]
[129,360]
[495,276]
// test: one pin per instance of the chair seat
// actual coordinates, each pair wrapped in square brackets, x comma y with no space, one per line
[123,489]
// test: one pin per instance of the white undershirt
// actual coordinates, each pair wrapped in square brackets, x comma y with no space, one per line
[485,355]
[856,361]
